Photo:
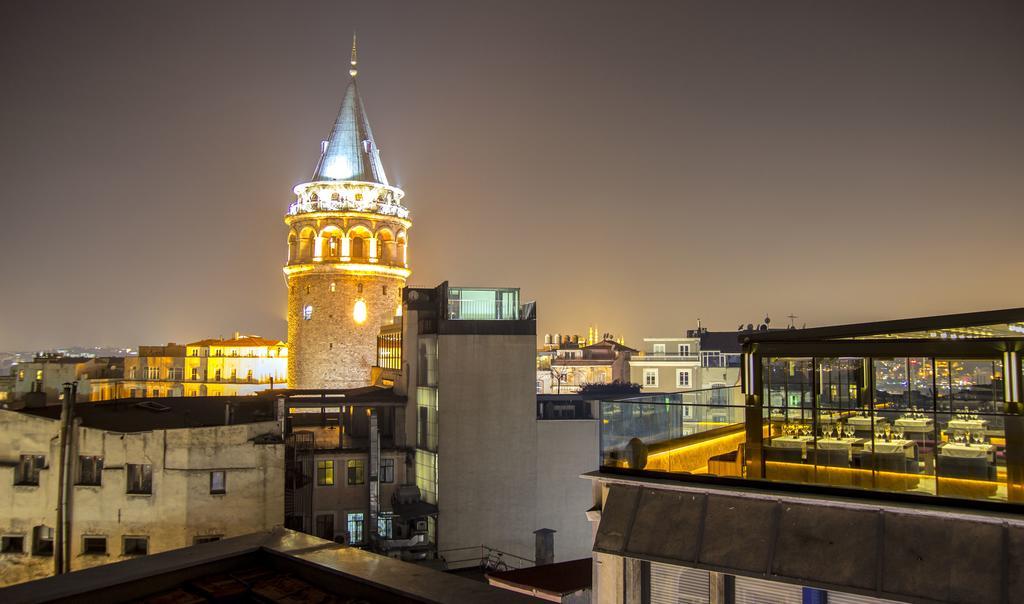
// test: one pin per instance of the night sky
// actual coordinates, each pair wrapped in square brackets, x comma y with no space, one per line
[634,165]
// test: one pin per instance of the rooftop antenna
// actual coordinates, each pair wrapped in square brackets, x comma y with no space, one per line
[791,317]
[353,71]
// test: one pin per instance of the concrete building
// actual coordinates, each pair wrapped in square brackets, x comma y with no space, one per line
[243,364]
[494,470]
[41,381]
[700,360]
[347,256]
[869,463]
[147,477]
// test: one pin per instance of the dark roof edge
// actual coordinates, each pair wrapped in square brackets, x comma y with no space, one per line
[970,319]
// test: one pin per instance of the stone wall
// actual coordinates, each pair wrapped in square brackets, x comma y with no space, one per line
[330,350]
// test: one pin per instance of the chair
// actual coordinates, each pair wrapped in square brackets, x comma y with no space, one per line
[837,458]
[883,462]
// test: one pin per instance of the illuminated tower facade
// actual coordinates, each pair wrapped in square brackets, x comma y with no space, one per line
[347,256]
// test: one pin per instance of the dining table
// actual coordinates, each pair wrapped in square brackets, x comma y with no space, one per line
[891,446]
[967,424]
[974,451]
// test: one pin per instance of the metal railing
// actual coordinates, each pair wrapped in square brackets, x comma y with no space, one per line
[481,556]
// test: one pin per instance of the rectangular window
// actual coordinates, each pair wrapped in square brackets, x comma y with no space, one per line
[651,377]
[136,546]
[683,378]
[356,472]
[28,470]
[96,546]
[325,526]
[355,527]
[39,375]
[42,541]
[153,373]
[325,473]
[659,349]
[684,350]
[12,544]
[216,375]
[90,470]
[140,478]
[426,475]
[132,373]
[218,482]
[195,373]
[384,525]
[387,470]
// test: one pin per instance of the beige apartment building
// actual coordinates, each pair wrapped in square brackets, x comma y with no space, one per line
[41,381]
[147,477]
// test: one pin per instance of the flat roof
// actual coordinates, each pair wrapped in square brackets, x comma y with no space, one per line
[281,563]
[897,326]
[558,579]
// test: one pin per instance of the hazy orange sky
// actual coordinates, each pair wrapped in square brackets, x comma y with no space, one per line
[634,165]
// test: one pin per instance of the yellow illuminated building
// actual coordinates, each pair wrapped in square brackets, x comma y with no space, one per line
[237,366]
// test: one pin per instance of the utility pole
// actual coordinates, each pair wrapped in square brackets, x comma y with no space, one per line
[62,537]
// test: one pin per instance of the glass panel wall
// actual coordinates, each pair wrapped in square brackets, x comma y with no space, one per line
[907,424]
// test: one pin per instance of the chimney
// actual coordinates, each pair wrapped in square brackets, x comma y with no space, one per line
[545,546]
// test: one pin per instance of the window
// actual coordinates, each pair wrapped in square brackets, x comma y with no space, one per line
[387,470]
[136,546]
[356,472]
[132,373]
[198,539]
[384,289]
[175,373]
[683,378]
[248,376]
[325,526]
[333,287]
[651,377]
[94,546]
[359,288]
[385,525]
[152,373]
[307,312]
[218,482]
[195,373]
[42,541]
[684,350]
[216,375]
[28,470]
[21,375]
[325,473]
[355,527]
[140,478]
[659,349]
[90,470]
[12,544]
[234,375]
[39,375]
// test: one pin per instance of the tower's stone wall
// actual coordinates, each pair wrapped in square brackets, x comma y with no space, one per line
[331,350]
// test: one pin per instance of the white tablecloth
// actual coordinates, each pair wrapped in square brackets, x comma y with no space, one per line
[864,423]
[915,424]
[973,451]
[891,446]
[793,442]
[967,424]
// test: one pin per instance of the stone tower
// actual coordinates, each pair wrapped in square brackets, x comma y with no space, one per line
[347,256]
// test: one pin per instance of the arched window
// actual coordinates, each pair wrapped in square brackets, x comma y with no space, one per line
[307,239]
[360,242]
[387,249]
[293,247]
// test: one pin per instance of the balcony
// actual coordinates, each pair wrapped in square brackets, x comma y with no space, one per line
[671,357]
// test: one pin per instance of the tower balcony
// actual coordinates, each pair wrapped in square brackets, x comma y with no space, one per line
[348,196]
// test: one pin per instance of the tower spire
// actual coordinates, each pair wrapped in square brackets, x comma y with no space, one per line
[353,71]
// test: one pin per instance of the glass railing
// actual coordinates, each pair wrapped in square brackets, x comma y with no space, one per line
[483,304]
[674,432]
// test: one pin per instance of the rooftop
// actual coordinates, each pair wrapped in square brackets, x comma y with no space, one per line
[276,566]
[556,580]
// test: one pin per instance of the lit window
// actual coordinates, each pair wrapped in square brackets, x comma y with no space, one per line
[218,482]
[356,472]
[39,375]
[385,524]
[333,287]
[355,527]
[21,375]
[359,312]
[307,312]
[195,373]
[659,349]
[325,473]
[136,546]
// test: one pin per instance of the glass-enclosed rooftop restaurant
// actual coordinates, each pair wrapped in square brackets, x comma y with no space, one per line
[924,409]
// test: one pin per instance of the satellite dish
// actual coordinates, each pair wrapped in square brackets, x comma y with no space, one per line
[750,327]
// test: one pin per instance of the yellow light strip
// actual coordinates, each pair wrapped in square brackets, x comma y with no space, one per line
[348,268]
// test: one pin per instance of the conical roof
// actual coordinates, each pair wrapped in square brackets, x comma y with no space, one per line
[350,153]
